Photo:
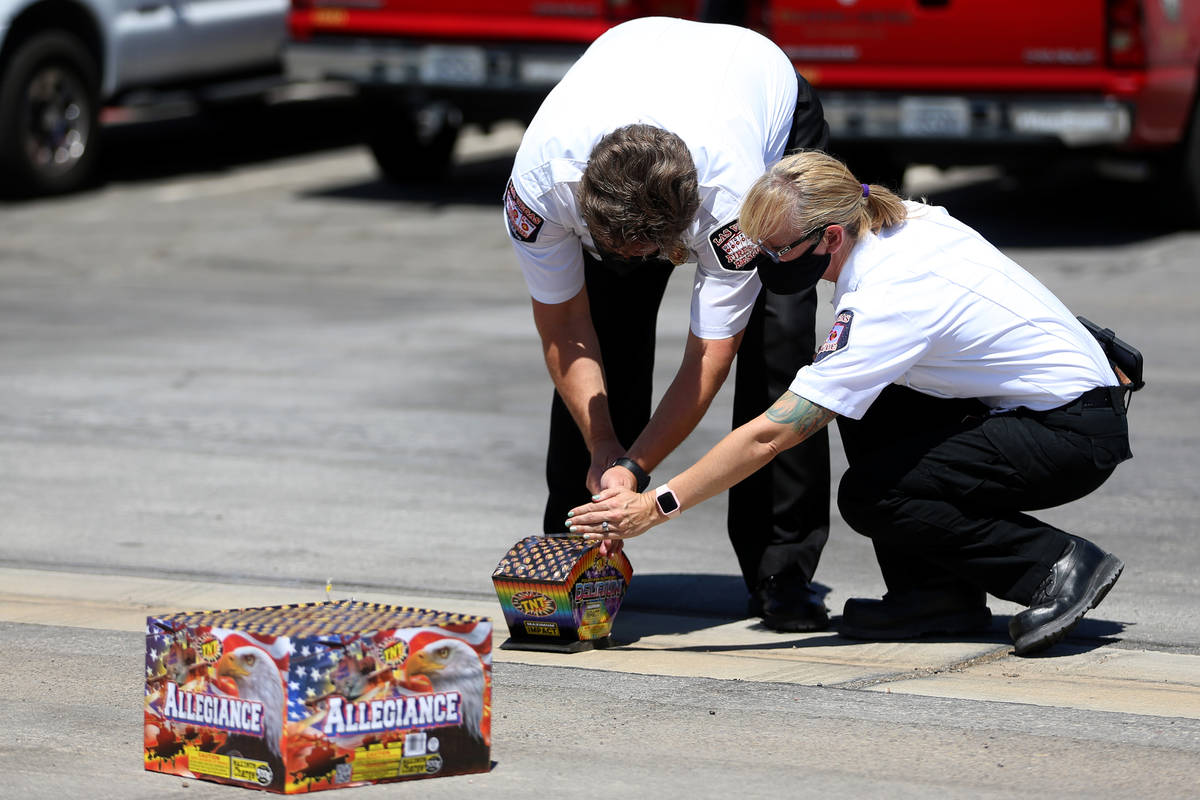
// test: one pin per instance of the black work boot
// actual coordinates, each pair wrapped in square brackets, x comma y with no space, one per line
[1078,581]
[788,605]
[909,613]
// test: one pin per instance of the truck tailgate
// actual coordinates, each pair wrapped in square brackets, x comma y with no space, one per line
[939,33]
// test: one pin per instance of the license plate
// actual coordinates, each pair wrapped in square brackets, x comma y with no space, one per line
[453,66]
[934,116]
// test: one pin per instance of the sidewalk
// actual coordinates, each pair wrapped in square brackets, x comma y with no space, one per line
[1072,675]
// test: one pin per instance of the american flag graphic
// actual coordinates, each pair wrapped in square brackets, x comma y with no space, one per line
[317,664]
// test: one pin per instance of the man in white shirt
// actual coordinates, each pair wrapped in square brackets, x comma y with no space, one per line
[635,162]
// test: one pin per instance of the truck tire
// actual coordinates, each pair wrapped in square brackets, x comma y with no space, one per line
[411,144]
[49,115]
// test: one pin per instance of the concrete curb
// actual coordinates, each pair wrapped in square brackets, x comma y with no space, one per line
[1103,678]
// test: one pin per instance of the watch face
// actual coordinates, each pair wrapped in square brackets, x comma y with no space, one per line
[667,502]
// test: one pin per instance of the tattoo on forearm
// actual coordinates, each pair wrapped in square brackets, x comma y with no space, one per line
[805,418]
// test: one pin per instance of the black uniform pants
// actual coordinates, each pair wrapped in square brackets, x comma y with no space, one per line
[942,488]
[778,517]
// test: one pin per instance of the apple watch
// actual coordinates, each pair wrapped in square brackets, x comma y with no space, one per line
[667,502]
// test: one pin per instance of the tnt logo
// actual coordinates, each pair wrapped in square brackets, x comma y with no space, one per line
[395,652]
[535,604]
[210,650]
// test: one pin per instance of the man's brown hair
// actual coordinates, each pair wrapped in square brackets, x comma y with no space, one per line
[639,187]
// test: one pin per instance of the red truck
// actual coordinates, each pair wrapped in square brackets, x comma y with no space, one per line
[1011,82]
[424,69]
[943,82]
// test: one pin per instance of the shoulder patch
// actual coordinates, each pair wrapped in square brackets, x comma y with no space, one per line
[839,336]
[523,222]
[733,249]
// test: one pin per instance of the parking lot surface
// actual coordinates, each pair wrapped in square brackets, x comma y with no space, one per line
[240,380]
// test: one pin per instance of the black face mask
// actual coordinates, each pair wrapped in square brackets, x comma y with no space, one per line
[795,276]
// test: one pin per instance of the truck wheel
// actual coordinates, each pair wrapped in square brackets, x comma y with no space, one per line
[49,107]
[411,144]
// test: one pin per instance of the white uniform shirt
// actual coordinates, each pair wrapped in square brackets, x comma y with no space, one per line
[931,305]
[727,92]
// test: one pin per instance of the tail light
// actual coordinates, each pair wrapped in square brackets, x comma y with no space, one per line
[1126,34]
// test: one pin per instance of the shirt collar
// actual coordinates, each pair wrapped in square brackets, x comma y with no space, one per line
[863,257]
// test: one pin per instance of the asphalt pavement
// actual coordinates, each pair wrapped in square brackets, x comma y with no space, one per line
[265,376]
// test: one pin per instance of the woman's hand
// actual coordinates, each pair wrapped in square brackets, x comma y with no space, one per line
[614,515]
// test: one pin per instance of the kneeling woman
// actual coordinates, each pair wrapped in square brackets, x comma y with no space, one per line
[966,395]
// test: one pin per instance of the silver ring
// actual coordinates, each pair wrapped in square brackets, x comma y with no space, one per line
[604,526]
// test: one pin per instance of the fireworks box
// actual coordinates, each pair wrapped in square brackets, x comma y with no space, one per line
[559,593]
[318,696]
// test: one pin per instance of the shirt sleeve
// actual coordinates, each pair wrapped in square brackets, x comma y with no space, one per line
[550,255]
[726,282]
[869,346]
[721,305]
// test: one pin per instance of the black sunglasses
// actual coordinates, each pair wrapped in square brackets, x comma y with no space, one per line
[777,254]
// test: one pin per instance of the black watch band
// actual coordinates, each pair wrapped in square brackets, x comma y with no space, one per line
[640,475]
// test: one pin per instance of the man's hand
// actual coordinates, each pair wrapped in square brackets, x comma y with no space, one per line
[600,477]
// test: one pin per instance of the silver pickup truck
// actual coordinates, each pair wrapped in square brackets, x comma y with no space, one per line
[61,60]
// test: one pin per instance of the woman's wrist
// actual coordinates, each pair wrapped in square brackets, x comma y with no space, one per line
[667,502]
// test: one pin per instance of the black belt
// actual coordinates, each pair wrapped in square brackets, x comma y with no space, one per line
[1101,397]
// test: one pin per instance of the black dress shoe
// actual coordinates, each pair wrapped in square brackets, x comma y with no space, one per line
[1077,583]
[788,606]
[910,613]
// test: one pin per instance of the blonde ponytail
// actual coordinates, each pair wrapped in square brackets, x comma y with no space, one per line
[883,208]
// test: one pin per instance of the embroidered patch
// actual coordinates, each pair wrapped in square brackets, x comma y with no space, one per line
[523,222]
[839,336]
[733,249]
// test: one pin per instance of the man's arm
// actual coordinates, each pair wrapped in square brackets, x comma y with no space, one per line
[572,353]
[705,365]
[791,420]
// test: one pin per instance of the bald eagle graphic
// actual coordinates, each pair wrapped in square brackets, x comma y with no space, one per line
[454,666]
[257,678]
